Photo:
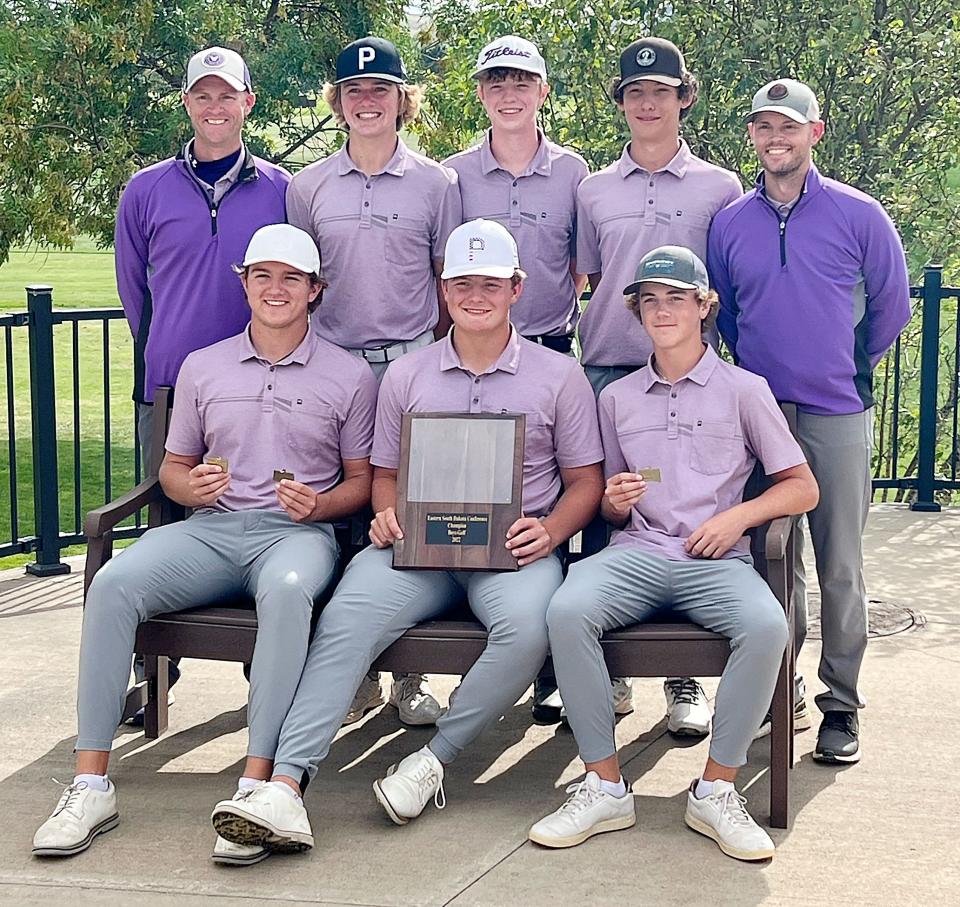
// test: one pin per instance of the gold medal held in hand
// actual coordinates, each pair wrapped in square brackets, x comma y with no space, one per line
[280,474]
[217,461]
[649,474]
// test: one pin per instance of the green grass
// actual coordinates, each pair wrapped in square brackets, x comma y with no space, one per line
[82,278]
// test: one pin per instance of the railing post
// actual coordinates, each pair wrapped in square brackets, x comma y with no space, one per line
[929,370]
[43,410]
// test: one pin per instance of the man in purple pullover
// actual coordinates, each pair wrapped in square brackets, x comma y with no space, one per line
[813,291]
[181,225]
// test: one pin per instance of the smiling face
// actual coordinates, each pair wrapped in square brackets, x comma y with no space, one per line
[652,110]
[370,107]
[784,146]
[480,304]
[217,111]
[278,295]
[512,101]
[671,315]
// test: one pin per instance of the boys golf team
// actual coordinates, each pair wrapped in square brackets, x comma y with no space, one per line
[300,319]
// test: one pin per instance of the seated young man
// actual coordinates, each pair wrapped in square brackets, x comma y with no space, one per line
[273,397]
[681,437]
[482,365]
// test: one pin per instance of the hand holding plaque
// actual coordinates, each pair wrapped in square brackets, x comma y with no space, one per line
[459,490]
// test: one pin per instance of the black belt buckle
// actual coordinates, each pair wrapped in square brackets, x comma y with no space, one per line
[562,343]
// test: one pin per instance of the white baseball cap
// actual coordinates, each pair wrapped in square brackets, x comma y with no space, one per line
[481,247]
[221,62]
[511,52]
[284,243]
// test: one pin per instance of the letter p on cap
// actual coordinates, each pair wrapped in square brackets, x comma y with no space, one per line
[366,55]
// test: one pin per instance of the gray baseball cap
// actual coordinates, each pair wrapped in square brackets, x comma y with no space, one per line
[787,96]
[674,266]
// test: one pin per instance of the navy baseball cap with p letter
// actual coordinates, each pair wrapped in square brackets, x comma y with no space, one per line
[653,59]
[674,266]
[370,58]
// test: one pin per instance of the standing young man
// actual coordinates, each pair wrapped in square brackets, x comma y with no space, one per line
[275,394]
[813,291]
[181,225]
[519,178]
[657,192]
[482,365]
[703,424]
[380,214]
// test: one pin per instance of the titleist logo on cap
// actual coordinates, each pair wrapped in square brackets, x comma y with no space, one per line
[501,50]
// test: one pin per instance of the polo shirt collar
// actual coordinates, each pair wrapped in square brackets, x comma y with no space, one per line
[301,355]
[394,167]
[699,374]
[677,165]
[541,162]
[509,360]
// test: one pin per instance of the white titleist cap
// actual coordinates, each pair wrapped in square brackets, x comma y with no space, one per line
[284,243]
[221,62]
[481,247]
[511,52]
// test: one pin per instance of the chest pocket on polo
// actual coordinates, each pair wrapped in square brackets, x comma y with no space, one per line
[406,240]
[713,446]
[553,239]
[309,427]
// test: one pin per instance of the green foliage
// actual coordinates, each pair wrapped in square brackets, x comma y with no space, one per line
[90,92]
[885,73]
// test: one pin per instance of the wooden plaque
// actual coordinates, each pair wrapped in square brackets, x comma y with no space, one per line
[459,489]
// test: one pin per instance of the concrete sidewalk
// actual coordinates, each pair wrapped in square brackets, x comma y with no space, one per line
[882,832]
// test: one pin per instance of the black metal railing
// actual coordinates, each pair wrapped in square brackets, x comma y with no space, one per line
[916,456]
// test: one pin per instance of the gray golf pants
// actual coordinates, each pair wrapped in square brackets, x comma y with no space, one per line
[284,565]
[838,449]
[624,585]
[374,605]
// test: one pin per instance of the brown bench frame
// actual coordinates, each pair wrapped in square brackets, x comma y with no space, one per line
[228,631]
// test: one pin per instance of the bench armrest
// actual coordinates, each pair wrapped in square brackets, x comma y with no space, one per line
[777,537]
[103,519]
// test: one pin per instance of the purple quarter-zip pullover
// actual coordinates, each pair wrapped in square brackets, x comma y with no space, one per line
[174,252]
[812,300]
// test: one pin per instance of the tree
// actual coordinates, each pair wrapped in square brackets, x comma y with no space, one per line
[884,72]
[90,92]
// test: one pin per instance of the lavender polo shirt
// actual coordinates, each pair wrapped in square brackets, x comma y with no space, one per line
[539,207]
[623,212]
[549,387]
[704,433]
[305,413]
[378,238]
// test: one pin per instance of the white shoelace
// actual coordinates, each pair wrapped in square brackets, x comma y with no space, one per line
[686,690]
[70,793]
[426,776]
[583,797]
[734,806]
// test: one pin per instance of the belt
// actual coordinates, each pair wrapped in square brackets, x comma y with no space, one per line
[394,350]
[562,343]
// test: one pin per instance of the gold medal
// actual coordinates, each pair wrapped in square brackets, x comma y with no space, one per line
[649,474]
[280,474]
[217,461]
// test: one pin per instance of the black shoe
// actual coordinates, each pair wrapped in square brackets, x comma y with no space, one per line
[838,740]
[547,704]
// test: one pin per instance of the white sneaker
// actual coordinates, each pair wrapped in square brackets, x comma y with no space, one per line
[410,784]
[723,816]
[688,712]
[264,816]
[81,815]
[369,696]
[622,690]
[413,699]
[230,854]
[589,811]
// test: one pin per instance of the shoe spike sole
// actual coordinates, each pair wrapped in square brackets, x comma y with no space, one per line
[240,830]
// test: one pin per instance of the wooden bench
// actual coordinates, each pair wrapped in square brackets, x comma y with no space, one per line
[227,632]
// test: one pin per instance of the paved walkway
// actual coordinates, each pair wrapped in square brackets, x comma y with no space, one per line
[883,832]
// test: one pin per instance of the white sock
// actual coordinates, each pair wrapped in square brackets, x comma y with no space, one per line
[614,788]
[704,789]
[94,782]
[289,790]
[246,783]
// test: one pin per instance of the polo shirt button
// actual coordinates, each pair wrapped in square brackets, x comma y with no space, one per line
[650,202]
[651,183]
[273,368]
[366,204]
[476,399]
[515,202]
[673,394]
[514,182]
[673,415]
[269,387]
[368,185]
[476,380]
